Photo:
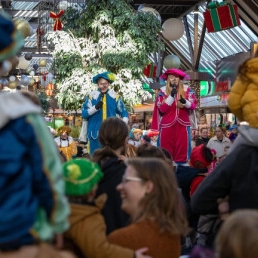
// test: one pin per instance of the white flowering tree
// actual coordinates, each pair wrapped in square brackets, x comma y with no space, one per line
[104,36]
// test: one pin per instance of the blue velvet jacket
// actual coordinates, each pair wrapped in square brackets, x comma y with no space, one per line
[112,106]
[32,199]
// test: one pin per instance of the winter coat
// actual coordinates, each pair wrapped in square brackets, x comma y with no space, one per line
[219,146]
[147,234]
[243,97]
[88,232]
[113,170]
[32,195]
[236,176]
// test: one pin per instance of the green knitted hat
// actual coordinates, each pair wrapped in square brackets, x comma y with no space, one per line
[81,175]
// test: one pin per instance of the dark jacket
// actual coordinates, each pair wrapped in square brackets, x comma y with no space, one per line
[236,176]
[113,170]
[185,176]
[201,140]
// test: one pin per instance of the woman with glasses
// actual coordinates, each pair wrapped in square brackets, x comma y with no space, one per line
[151,198]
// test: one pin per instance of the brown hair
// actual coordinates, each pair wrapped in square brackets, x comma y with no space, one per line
[179,93]
[222,128]
[238,236]
[148,150]
[163,203]
[112,135]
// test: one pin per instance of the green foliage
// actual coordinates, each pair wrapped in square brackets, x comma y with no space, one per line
[116,38]
[65,63]
[75,133]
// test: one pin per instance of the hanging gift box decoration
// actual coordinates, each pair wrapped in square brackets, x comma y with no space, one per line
[49,89]
[150,70]
[57,23]
[221,16]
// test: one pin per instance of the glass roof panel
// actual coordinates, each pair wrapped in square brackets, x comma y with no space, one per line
[219,44]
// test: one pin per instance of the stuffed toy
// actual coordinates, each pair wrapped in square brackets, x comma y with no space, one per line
[135,137]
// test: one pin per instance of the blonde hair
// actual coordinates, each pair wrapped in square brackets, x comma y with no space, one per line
[180,91]
[163,203]
[238,236]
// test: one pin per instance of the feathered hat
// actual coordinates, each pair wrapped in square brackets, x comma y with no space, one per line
[110,77]
[80,175]
[172,71]
[63,129]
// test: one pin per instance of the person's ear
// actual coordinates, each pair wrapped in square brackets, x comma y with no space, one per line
[149,186]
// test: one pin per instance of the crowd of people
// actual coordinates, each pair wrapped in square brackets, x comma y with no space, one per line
[143,194]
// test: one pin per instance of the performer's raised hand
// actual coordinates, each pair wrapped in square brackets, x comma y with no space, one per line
[174,91]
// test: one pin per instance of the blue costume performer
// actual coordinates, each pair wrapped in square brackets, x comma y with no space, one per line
[99,105]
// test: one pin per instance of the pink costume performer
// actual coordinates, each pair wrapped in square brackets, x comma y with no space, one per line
[171,115]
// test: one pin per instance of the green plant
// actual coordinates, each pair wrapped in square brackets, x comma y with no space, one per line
[75,131]
[105,35]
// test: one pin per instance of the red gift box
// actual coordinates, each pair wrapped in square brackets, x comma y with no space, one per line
[222,86]
[150,70]
[221,18]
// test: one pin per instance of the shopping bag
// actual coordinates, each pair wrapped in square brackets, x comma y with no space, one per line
[83,133]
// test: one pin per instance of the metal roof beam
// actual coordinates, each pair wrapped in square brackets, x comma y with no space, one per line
[166,3]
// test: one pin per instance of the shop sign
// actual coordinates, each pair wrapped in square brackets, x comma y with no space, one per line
[214,101]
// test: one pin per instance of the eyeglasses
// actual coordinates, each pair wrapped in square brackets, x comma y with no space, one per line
[126,179]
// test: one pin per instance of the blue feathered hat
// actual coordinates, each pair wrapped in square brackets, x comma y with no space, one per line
[233,127]
[106,75]
[11,39]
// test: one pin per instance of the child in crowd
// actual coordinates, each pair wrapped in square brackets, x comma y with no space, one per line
[226,148]
[202,124]
[135,137]
[153,136]
[65,142]
[87,233]
[233,133]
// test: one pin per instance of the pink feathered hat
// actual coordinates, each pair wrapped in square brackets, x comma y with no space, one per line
[172,71]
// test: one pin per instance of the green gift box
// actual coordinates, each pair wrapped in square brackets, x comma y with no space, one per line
[221,17]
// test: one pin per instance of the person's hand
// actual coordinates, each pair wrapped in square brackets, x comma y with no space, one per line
[139,253]
[173,92]
[58,241]
[99,105]
[123,158]
[223,207]
[182,100]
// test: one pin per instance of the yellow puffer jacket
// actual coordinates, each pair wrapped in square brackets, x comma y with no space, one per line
[243,97]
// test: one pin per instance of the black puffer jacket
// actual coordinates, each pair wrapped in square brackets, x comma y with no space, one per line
[113,170]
